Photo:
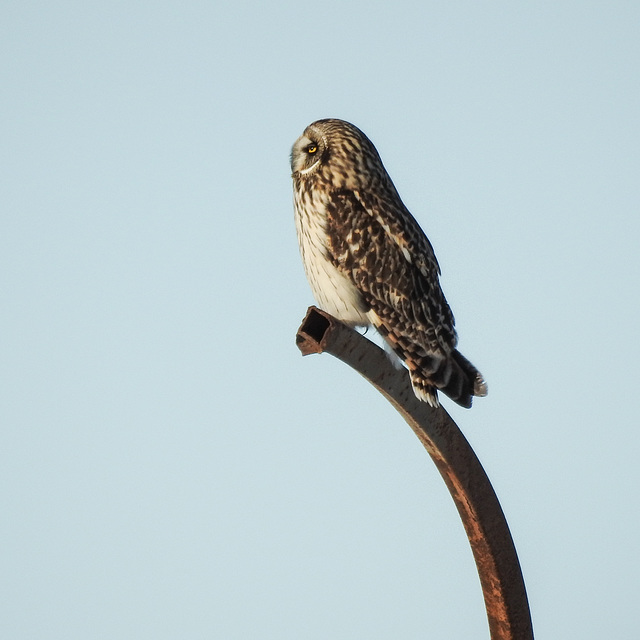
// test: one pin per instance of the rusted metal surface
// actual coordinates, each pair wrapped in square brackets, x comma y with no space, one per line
[493,549]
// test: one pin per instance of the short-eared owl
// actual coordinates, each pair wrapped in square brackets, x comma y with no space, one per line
[368,261]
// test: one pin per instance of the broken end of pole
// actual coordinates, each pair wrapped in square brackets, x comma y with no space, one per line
[313,332]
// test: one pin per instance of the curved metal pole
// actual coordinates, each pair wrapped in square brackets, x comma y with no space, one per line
[503,587]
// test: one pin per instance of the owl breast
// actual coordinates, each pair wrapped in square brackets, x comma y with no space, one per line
[334,292]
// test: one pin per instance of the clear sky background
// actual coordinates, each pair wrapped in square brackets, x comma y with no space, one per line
[171,467]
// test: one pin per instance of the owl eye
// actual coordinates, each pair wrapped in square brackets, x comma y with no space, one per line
[312,148]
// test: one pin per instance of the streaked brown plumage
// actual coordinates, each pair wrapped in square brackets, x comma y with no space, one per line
[369,263]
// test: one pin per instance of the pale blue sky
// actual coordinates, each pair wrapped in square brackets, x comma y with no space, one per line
[171,467]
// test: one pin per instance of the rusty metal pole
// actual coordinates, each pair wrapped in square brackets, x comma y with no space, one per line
[501,578]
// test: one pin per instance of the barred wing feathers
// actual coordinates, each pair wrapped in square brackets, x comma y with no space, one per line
[386,255]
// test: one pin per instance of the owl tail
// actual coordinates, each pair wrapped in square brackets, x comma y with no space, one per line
[455,376]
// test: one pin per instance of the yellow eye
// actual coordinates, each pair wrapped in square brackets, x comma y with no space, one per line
[312,148]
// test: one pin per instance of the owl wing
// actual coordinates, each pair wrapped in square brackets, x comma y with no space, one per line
[401,227]
[384,252]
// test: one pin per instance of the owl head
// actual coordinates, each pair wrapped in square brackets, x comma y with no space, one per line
[336,154]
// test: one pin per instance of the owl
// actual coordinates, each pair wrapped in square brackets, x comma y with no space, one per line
[368,261]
